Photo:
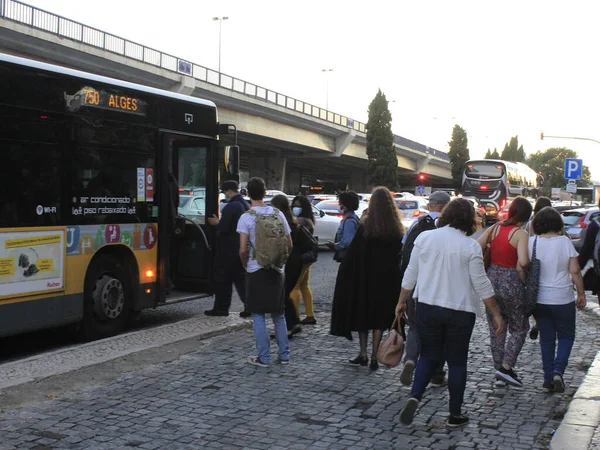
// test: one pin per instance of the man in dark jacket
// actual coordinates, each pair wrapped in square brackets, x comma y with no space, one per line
[228,267]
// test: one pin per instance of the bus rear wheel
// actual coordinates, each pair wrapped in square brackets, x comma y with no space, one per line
[107,299]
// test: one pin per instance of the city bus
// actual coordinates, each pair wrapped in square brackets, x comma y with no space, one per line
[89,233]
[493,182]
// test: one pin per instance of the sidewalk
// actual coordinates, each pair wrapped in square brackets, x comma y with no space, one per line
[580,428]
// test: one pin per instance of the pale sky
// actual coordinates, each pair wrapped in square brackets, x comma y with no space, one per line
[498,69]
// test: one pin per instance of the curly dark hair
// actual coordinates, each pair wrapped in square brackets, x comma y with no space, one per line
[548,220]
[383,219]
[307,211]
[459,214]
[349,199]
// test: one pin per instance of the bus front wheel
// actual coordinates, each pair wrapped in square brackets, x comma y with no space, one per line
[107,298]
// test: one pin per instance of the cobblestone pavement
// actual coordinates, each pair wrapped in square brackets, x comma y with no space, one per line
[213,399]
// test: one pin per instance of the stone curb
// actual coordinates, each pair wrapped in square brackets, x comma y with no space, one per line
[583,416]
[79,356]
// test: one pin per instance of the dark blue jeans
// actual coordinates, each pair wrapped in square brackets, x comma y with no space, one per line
[438,328]
[555,322]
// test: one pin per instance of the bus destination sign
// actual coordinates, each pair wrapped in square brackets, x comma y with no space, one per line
[107,100]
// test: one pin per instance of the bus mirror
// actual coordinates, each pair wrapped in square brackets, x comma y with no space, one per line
[226,128]
[232,161]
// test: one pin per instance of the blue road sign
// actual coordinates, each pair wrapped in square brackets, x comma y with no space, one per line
[573,169]
[420,190]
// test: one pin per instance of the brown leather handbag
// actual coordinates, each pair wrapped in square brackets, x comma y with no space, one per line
[391,348]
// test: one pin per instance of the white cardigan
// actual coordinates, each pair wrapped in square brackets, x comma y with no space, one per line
[447,269]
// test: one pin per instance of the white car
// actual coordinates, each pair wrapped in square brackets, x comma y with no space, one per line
[326,226]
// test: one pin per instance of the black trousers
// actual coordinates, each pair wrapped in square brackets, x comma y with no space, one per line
[226,276]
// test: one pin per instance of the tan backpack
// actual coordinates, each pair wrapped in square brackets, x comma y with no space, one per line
[271,249]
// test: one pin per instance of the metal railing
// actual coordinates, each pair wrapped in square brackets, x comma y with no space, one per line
[66,28]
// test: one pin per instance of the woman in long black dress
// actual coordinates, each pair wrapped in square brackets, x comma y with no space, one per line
[369,279]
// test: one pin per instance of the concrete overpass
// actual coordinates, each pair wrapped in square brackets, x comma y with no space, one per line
[282,139]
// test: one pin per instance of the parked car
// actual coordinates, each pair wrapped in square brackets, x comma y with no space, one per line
[326,226]
[479,209]
[365,197]
[332,208]
[318,198]
[576,222]
[193,207]
[410,210]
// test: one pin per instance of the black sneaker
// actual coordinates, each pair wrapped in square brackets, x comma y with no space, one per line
[215,313]
[457,421]
[548,386]
[533,334]
[408,412]
[509,376]
[245,314]
[559,383]
[439,380]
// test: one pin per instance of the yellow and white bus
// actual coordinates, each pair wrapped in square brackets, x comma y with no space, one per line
[86,226]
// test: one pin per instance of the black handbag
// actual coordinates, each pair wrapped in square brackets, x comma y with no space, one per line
[532,284]
[309,246]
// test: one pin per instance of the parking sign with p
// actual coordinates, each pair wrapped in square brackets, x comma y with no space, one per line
[573,169]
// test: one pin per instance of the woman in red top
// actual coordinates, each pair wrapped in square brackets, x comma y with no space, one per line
[509,258]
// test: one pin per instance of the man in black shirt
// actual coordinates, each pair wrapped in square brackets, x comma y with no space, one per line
[228,267]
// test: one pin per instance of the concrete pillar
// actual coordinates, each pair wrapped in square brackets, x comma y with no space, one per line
[271,169]
[186,86]
[342,142]
[420,164]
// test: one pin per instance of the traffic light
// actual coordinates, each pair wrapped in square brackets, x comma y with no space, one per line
[422,177]
[542,135]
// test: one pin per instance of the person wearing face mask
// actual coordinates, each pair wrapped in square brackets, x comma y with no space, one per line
[349,203]
[228,267]
[303,212]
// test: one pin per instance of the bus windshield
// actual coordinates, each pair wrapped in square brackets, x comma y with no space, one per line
[484,170]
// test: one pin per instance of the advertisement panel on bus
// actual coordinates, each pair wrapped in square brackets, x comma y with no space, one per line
[31,261]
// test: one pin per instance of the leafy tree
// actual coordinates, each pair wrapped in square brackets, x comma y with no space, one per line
[459,154]
[495,154]
[551,164]
[521,156]
[512,151]
[488,154]
[382,159]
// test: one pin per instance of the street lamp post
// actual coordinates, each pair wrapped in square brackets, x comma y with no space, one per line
[220,20]
[326,71]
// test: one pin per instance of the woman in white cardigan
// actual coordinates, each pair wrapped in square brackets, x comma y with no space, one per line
[447,273]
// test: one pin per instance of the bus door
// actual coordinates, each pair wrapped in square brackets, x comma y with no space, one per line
[188,240]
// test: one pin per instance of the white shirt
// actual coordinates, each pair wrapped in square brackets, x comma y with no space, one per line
[447,269]
[247,225]
[556,284]
[434,215]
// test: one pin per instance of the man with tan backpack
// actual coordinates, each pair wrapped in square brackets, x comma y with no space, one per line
[265,244]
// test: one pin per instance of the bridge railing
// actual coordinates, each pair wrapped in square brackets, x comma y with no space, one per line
[66,28]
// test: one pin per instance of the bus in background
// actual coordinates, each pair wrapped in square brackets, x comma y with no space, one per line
[87,222]
[495,182]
